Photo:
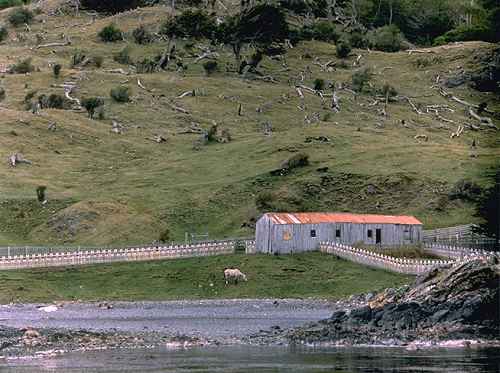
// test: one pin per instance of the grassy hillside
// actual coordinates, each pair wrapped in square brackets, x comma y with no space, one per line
[105,188]
[294,276]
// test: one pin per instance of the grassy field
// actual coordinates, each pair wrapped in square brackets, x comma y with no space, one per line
[105,188]
[311,275]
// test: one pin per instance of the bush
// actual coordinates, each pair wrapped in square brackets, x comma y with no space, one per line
[77,58]
[358,40]
[386,39]
[464,33]
[325,31]
[264,201]
[56,69]
[120,94]
[91,104]
[98,61]
[296,161]
[3,33]
[210,67]
[2,94]
[465,190]
[10,3]
[360,78]
[343,48]
[190,24]
[319,84]
[23,67]
[142,36]
[146,66]
[54,101]
[20,16]
[110,34]
[123,56]
[389,91]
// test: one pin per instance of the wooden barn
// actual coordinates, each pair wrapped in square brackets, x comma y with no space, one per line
[295,232]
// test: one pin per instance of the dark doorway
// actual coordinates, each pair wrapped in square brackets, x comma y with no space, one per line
[378,236]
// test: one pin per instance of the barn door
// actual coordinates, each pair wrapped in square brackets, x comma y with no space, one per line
[378,235]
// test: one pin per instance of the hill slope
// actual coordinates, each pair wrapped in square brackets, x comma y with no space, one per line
[105,188]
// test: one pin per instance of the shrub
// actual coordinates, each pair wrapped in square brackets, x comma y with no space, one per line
[77,58]
[2,94]
[120,94]
[264,201]
[464,33]
[40,193]
[343,48]
[3,33]
[360,78]
[56,69]
[389,91]
[123,56]
[358,40]
[146,66]
[23,67]
[386,39]
[191,23]
[319,84]
[10,3]
[98,61]
[110,34]
[91,104]
[465,190]
[54,101]
[210,67]
[142,36]
[20,16]
[296,161]
[325,31]
[164,236]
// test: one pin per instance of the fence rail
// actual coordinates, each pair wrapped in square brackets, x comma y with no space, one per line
[402,265]
[84,256]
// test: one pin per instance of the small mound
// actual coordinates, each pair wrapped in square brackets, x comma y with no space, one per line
[98,223]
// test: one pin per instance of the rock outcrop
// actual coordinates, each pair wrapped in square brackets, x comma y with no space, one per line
[461,302]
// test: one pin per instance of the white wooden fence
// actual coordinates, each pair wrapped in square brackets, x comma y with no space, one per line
[84,257]
[377,260]
[455,252]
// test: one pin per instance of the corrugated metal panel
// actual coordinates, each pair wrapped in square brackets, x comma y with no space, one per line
[327,217]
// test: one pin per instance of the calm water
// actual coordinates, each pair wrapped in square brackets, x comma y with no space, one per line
[243,359]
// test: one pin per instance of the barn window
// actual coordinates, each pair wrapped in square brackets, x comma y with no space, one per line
[337,233]
[370,233]
[313,232]
[287,236]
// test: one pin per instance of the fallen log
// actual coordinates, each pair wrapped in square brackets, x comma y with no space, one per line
[18,158]
[483,120]
[59,44]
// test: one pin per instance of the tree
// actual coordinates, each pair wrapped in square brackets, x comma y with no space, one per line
[261,26]
[91,104]
[488,208]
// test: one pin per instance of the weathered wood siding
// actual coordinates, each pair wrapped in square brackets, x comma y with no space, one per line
[290,238]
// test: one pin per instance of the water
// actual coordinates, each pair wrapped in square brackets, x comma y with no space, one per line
[243,359]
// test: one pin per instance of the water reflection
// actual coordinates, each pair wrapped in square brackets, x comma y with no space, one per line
[244,359]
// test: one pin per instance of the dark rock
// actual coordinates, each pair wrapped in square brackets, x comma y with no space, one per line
[361,314]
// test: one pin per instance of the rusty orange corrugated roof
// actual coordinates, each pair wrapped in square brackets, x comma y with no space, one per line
[339,217]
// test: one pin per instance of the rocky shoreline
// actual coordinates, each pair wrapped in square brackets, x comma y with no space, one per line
[455,306]
[452,307]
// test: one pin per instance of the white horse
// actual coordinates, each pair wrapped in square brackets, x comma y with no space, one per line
[234,274]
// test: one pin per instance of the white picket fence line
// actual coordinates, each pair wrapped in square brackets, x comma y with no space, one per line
[85,257]
[381,261]
[455,252]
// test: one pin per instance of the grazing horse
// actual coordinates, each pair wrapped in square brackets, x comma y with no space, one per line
[234,274]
